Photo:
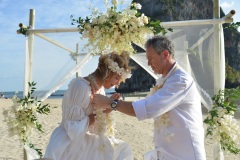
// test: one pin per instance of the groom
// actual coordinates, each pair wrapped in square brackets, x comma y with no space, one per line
[174,104]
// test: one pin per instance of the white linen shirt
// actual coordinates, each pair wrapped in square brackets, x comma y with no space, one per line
[180,98]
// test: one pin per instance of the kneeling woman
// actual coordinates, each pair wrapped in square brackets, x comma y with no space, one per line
[86,133]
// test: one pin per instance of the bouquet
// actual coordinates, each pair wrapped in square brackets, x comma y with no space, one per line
[222,125]
[116,30]
[21,118]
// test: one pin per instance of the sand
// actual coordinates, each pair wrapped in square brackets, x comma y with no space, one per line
[139,134]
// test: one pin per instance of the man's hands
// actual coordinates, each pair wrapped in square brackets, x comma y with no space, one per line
[104,102]
[115,96]
[101,101]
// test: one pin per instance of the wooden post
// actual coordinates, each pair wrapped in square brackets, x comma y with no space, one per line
[77,48]
[30,42]
[28,59]
[217,151]
[24,154]
[29,52]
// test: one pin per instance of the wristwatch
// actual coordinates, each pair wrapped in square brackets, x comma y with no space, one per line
[114,104]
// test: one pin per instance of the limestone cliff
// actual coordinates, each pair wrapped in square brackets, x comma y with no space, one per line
[179,10]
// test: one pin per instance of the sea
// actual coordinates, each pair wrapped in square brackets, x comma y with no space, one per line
[55,95]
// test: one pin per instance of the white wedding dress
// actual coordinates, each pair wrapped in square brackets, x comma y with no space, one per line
[73,138]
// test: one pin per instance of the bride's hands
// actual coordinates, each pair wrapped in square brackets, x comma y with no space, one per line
[115,96]
[103,101]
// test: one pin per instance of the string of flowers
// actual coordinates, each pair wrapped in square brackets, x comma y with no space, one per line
[110,125]
[162,122]
[115,30]
[221,124]
[104,126]
[104,123]
[22,119]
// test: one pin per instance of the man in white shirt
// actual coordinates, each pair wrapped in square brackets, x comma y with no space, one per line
[174,104]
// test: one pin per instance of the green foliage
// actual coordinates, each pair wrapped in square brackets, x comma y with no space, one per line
[221,116]
[116,30]
[39,151]
[232,77]
[233,25]
[158,28]
[30,99]
[23,31]
[21,117]
[81,22]
[41,109]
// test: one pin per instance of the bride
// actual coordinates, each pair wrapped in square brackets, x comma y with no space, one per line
[86,133]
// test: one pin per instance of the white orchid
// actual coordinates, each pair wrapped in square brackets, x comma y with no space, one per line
[137,5]
[222,125]
[21,117]
[115,2]
[114,30]
[104,123]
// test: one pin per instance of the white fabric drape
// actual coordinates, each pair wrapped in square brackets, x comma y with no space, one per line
[195,52]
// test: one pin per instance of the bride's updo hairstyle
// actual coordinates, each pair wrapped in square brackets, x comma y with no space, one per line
[113,63]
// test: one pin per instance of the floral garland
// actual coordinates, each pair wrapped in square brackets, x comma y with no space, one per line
[103,123]
[113,66]
[21,118]
[104,126]
[115,30]
[163,121]
[222,126]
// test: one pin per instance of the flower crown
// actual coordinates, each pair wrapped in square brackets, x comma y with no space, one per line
[113,66]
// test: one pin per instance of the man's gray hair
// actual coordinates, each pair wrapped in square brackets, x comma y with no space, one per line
[159,44]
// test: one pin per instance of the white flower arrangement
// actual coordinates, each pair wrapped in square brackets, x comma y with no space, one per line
[104,123]
[21,118]
[222,126]
[161,122]
[113,66]
[159,84]
[116,30]
[104,126]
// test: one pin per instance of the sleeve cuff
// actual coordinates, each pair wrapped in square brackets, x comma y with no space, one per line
[140,109]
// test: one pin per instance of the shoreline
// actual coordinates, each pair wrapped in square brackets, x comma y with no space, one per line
[139,134]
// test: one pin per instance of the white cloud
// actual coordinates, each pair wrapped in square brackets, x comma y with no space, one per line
[227,5]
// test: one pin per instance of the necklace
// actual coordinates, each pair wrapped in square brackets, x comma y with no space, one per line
[95,87]
[103,124]
[162,122]
[161,82]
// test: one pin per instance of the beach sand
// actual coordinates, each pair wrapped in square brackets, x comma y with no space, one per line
[139,134]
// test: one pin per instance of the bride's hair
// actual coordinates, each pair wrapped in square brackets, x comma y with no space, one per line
[106,65]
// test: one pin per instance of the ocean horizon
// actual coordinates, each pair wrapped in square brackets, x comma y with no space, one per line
[55,95]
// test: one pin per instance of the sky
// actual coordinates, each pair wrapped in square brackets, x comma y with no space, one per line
[50,63]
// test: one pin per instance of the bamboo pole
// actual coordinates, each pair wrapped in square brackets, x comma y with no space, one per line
[31,41]
[28,59]
[77,48]
[53,42]
[29,51]
[226,19]
[217,152]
